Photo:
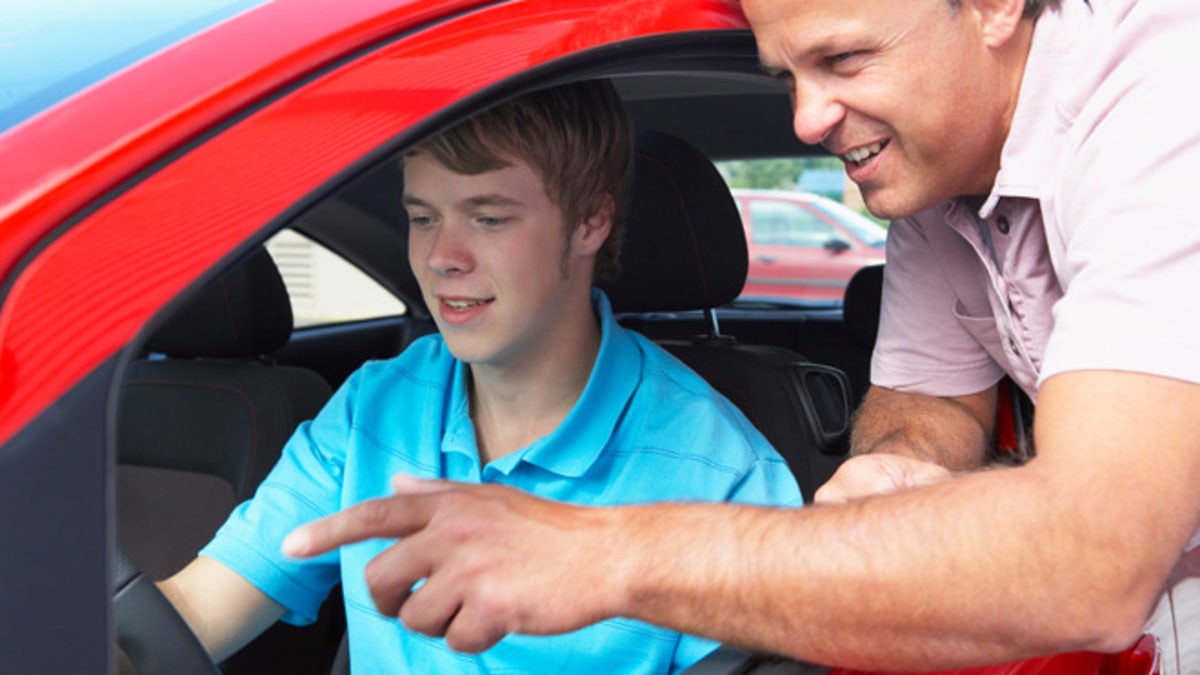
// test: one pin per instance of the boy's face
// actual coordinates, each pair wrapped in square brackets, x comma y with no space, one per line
[907,92]
[495,262]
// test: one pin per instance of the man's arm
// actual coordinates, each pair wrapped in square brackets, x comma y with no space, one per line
[953,431]
[223,609]
[1066,552]
[904,440]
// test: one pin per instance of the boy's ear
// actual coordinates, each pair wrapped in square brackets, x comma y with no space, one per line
[998,19]
[593,231]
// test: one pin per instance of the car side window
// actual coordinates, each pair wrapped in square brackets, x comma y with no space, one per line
[324,287]
[781,224]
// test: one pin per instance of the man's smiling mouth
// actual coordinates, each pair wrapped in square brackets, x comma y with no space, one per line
[862,155]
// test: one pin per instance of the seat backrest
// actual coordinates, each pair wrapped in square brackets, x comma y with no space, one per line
[860,315]
[201,420]
[203,417]
[685,249]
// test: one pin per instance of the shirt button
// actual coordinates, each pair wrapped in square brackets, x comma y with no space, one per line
[1002,224]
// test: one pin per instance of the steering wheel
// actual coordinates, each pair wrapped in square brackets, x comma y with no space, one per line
[149,630]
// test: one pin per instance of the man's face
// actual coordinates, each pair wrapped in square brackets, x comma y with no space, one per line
[495,264]
[906,92]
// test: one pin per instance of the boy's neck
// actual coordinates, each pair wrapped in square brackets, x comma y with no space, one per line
[514,406]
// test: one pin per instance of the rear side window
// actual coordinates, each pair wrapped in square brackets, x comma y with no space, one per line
[326,288]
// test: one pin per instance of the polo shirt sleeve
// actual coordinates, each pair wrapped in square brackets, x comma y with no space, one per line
[923,345]
[1123,225]
[304,485]
[768,481]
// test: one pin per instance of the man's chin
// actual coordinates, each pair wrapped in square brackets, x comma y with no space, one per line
[889,205]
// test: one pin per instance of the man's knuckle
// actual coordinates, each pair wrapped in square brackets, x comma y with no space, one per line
[374,514]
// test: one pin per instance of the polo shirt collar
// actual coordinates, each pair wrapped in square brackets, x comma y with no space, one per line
[1039,128]
[572,448]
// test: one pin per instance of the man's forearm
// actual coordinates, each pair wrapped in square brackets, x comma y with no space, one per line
[982,569]
[1069,551]
[952,432]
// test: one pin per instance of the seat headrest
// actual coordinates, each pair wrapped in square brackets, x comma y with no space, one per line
[860,306]
[684,244]
[245,312]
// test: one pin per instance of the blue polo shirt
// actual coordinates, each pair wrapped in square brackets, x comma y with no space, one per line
[646,428]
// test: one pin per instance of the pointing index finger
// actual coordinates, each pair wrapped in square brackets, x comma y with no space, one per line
[386,518]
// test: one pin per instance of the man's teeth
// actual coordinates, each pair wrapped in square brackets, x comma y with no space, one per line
[860,155]
[462,305]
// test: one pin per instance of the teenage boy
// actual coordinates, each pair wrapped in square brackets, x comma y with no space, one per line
[530,384]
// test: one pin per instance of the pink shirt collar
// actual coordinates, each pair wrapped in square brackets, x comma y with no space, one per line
[1032,146]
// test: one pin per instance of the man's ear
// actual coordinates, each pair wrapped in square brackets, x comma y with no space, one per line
[593,231]
[998,19]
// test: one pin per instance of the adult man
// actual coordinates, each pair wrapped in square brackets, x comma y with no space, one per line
[1041,233]
[530,383]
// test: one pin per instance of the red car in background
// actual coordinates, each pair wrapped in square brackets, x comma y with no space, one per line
[804,246]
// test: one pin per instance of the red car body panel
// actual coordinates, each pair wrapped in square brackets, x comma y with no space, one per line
[1142,657]
[53,330]
[87,201]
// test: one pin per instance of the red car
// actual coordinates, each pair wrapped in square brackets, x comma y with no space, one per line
[803,245]
[148,151]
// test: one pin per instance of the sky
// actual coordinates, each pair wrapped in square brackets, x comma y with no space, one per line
[49,49]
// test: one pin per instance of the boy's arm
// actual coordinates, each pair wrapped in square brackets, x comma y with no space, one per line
[223,609]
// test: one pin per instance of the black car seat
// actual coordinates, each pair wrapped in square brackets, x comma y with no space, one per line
[685,249]
[201,420]
[860,314]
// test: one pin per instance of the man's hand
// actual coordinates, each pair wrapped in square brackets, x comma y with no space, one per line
[495,560]
[877,474]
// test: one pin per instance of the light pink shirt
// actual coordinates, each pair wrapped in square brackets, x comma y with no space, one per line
[1087,253]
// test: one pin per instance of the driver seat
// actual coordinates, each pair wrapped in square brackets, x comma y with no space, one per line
[202,418]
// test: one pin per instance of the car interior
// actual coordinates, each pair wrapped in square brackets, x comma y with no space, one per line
[221,380]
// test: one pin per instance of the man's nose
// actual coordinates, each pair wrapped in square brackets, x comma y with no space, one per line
[815,112]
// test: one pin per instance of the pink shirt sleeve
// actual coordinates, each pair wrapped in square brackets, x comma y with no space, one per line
[1121,222]
[923,344]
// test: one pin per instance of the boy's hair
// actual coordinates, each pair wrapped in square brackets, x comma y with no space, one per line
[578,139]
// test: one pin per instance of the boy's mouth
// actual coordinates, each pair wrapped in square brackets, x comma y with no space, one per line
[462,305]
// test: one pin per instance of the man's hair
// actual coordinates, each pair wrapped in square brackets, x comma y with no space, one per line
[1033,8]
[578,139]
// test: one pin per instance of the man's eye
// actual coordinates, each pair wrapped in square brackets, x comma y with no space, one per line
[841,57]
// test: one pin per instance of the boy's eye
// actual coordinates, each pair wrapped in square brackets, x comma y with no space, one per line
[491,221]
[419,221]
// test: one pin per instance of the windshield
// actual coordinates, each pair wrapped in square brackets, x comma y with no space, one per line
[51,49]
